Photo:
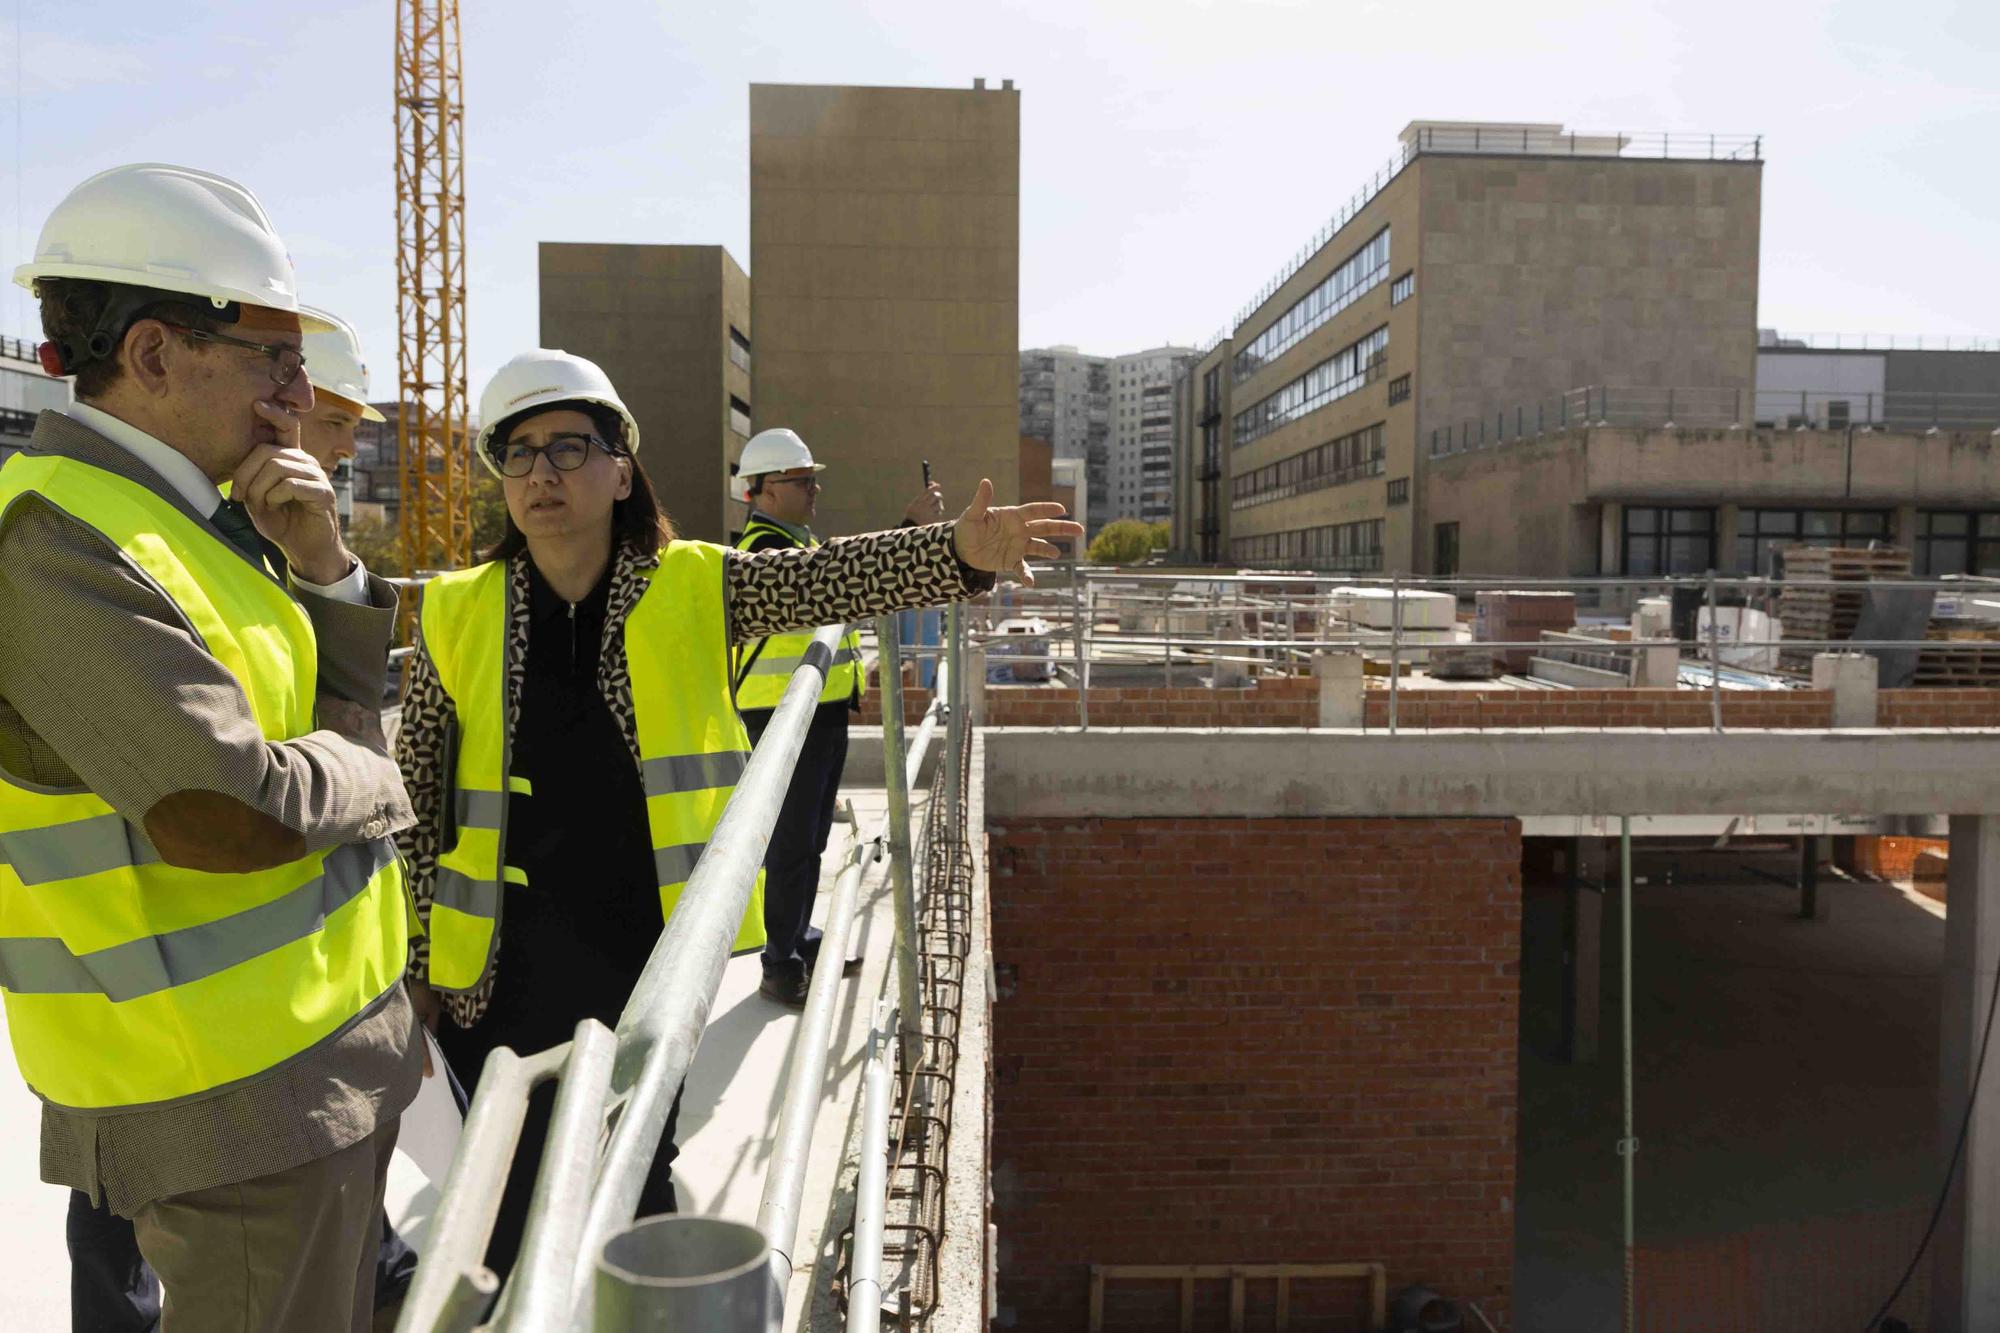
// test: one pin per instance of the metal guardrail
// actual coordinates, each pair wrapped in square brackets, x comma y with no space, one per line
[623,1084]
[1911,411]
[1075,613]
[1877,342]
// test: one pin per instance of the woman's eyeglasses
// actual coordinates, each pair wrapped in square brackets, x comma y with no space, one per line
[566,453]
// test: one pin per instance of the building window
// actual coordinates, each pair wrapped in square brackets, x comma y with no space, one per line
[1399,390]
[1668,541]
[1444,547]
[1958,542]
[1361,272]
[1399,491]
[1403,288]
[1332,379]
[739,349]
[1762,533]
[1335,463]
[1342,547]
[739,416]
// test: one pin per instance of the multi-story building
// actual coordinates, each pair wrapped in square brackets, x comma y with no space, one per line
[885,240]
[25,389]
[670,324]
[1482,258]
[1066,399]
[1141,444]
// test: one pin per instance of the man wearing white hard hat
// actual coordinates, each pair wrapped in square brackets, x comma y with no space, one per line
[340,392]
[777,477]
[202,919]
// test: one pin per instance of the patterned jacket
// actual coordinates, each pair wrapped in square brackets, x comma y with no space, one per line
[764,592]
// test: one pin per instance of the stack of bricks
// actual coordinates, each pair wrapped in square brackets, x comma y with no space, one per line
[1517,616]
[1254,1041]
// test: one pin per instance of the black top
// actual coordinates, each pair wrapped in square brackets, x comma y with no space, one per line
[576,936]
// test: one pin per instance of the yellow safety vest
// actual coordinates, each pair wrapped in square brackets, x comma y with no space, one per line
[128,981]
[763,667]
[691,743]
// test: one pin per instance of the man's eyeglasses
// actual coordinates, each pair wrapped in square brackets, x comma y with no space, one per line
[566,453]
[286,361]
[809,482]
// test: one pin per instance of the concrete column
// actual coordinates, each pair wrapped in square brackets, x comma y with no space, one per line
[1965,1281]
[1341,689]
[1852,677]
[1905,534]
[1583,950]
[972,661]
[1726,517]
[1656,664]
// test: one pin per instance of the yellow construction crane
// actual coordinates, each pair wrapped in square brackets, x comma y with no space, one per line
[430,288]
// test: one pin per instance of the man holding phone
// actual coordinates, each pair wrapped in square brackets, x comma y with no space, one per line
[778,478]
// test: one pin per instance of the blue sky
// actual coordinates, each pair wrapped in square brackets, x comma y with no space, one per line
[1149,129]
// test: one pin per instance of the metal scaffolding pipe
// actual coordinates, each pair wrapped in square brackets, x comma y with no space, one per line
[902,881]
[871,1196]
[791,1147]
[1628,1146]
[663,1021]
[538,1296]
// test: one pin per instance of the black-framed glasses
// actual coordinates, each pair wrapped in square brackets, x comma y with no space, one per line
[566,453]
[286,361]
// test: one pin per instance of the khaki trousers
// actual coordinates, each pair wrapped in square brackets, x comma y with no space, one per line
[292,1252]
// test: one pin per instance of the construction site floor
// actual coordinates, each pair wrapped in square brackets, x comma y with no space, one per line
[728,1113]
[1785,1084]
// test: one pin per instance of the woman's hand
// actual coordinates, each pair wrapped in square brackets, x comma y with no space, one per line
[1001,540]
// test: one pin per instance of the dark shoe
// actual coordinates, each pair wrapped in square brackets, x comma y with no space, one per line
[787,988]
[809,950]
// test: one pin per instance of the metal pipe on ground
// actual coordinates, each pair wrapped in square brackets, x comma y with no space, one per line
[871,1196]
[785,1178]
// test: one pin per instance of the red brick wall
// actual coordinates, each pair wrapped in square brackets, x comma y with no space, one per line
[1254,1040]
[1938,708]
[1600,708]
[1294,702]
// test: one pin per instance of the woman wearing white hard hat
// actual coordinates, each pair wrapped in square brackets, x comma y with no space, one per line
[569,737]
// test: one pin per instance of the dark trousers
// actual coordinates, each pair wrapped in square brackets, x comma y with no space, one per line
[791,865]
[112,1289]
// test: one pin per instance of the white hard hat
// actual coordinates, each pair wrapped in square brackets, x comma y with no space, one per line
[334,364]
[172,229]
[767,451]
[543,378]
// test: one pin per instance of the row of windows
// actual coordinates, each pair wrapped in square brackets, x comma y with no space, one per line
[739,349]
[739,416]
[1336,377]
[1361,272]
[1660,540]
[1335,463]
[1345,547]
[1403,288]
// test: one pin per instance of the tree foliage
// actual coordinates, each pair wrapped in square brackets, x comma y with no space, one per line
[1127,541]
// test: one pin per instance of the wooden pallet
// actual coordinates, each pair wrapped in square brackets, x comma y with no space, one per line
[1830,613]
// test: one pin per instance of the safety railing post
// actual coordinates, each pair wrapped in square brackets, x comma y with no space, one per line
[1079,632]
[902,882]
[1714,656]
[1628,1145]
[1395,645]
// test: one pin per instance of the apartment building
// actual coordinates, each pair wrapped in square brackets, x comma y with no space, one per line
[1139,468]
[885,240]
[670,324]
[1481,260]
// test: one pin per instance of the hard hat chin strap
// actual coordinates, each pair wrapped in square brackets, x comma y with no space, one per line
[121,310]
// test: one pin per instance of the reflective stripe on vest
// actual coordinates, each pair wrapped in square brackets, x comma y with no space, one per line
[764,672]
[130,981]
[693,745]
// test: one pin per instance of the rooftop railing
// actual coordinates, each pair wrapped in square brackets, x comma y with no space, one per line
[1878,342]
[1915,411]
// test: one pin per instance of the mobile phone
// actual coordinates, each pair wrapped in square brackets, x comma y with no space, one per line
[927,473]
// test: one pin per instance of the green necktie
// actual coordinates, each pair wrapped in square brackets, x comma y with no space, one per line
[234,521]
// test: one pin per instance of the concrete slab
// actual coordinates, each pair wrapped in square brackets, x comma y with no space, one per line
[1168,773]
